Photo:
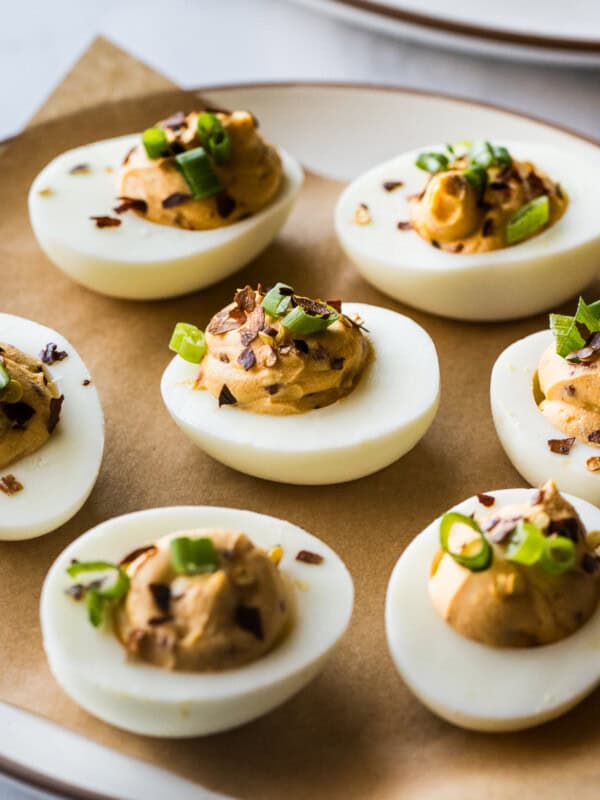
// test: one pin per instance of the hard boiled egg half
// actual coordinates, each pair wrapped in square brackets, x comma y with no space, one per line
[91,665]
[56,479]
[374,226]
[386,413]
[125,255]
[475,685]
[534,445]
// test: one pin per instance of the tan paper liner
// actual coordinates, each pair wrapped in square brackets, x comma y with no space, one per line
[356,731]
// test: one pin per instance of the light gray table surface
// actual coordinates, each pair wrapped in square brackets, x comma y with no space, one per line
[204,42]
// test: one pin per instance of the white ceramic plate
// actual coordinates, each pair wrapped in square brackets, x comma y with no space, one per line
[63,759]
[543,31]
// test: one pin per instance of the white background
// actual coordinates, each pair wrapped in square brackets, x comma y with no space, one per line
[198,42]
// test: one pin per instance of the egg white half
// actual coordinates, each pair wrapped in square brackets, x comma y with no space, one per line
[91,666]
[504,284]
[140,260]
[471,684]
[59,477]
[524,431]
[383,417]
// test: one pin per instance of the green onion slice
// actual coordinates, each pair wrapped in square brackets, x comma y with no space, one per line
[526,544]
[528,219]
[567,329]
[155,142]
[193,556]
[96,598]
[559,555]
[198,172]
[4,377]
[213,137]
[485,154]
[276,302]
[432,162]
[188,342]
[299,321]
[477,177]
[475,561]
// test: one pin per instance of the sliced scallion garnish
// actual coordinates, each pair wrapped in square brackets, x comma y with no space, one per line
[528,546]
[485,155]
[477,177]
[188,342]
[528,219]
[559,556]
[567,331]
[432,162]
[155,142]
[300,322]
[197,170]
[193,556]
[477,560]
[4,377]
[95,596]
[213,137]
[276,301]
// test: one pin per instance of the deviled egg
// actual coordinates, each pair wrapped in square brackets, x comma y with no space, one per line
[297,390]
[174,210]
[51,429]
[492,611]
[545,398]
[186,621]
[476,231]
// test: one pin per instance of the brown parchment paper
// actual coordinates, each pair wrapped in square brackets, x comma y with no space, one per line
[356,731]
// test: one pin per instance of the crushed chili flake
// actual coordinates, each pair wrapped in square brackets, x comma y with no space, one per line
[128,155]
[319,353]
[176,199]
[161,593]
[273,388]
[160,620]
[362,215]
[51,353]
[593,463]
[568,527]
[18,413]
[594,437]
[130,557]
[226,320]
[562,446]
[80,169]
[488,227]
[436,244]
[76,591]
[389,186]
[570,390]
[247,336]
[249,619]
[404,226]
[301,345]
[337,363]
[10,485]
[225,205]
[131,204]
[307,557]
[502,528]
[226,397]
[256,319]
[174,121]
[106,222]
[247,358]
[486,500]
[55,408]
[272,332]
[245,298]
[86,382]
[336,304]
[589,563]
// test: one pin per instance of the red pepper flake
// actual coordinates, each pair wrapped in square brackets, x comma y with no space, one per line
[131,204]
[389,186]
[256,319]
[80,169]
[226,397]
[226,320]
[130,557]
[159,620]
[563,446]
[404,226]
[161,593]
[570,390]
[501,528]
[249,619]
[55,408]
[488,227]
[273,388]
[176,199]
[486,500]
[307,557]
[245,298]
[128,155]
[247,358]
[337,304]
[337,363]
[589,563]
[86,382]
[50,354]
[301,345]
[594,437]
[10,485]
[225,205]
[106,222]
[175,121]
